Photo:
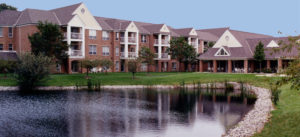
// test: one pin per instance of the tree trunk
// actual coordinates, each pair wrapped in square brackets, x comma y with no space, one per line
[132,75]
[179,66]
[87,72]
[260,67]
[148,69]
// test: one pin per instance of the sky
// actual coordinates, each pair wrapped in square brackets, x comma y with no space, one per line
[259,16]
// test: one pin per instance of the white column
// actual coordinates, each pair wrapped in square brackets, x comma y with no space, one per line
[159,46]
[83,41]
[169,38]
[126,44]
[137,44]
[197,45]
[189,40]
[69,38]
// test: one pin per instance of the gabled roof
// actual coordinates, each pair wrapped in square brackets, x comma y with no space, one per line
[9,17]
[32,16]
[206,36]
[153,28]
[64,14]
[116,24]
[103,24]
[184,32]
[218,32]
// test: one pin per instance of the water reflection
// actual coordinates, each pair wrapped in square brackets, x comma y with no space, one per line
[118,113]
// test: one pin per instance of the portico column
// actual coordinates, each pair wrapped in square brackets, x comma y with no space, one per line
[215,66]
[126,44]
[137,44]
[201,65]
[245,66]
[69,38]
[279,65]
[197,45]
[268,64]
[229,66]
[159,45]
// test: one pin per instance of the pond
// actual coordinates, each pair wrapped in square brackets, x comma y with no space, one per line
[125,113]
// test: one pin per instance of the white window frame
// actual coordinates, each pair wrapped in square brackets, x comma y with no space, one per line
[1,31]
[105,53]
[219,51]
[92,34]
[117,51]
[10,48]
[105,35]
[92,49]
[117,35]
[144,38]
[117,66]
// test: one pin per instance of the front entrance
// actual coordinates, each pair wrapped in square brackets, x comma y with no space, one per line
[75,66]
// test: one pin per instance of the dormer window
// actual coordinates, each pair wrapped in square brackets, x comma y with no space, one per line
[222,52]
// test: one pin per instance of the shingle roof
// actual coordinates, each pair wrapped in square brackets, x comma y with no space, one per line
[9,17]
[207,36]
[64,14]
[102,23]
[32,16]
[184,32]
[215,31]
[11,56]
[153,28]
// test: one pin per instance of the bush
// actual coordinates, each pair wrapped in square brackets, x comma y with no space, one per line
[32,70]
[275,94]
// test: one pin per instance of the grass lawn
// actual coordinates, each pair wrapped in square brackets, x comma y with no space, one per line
[286,118]
[171,78]
[284,122]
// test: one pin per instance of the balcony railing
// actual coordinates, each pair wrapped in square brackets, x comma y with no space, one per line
[130,54]
[163,56]
[130,39]
[76,52]
[163,41]
[193,43]
[74,35]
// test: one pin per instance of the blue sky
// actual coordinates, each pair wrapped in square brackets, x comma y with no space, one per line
[260,16]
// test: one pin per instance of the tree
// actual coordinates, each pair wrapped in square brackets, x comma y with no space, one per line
[208,46]
[259,54]
[132,66]
[32,70]
[106,64]
[49,42]
[4,6]
[89,64]
[147,56]
[182,51]
[292,72]
[6,66]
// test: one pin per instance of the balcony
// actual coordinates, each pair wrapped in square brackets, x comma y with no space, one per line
[163,56]
[163,41]
[74,35]
[130,39]
[77,53]
[194,44]
[131,55]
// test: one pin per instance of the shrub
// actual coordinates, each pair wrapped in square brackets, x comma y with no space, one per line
[132,67]
[32,70]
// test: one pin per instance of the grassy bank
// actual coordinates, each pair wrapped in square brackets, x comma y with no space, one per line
[146,79]
[285,119]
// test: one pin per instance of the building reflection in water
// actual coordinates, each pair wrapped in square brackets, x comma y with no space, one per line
[117,113]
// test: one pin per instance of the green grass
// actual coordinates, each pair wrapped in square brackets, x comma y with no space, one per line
[285,120]
[145,79]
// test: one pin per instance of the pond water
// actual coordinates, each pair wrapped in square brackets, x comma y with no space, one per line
[125,113]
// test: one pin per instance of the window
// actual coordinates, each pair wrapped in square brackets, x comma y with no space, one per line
[10,32]
[144,66]
[105,51]
[92,34]
[174,65]
[117,35]
[222,52]
[117,65]
[1,32]
[1,46]
[92,49]
[117,51]
[10,47]
[105,35]
[144,39]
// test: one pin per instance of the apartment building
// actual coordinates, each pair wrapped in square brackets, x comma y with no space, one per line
[91,37]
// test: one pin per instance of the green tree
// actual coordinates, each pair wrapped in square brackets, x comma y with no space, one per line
[208,46]
[89,64]
[32,70]
[106,64]
[259,54]
[133,66]
[4,6]
[182,51]
[147,56]
[48,41]
[6,66]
